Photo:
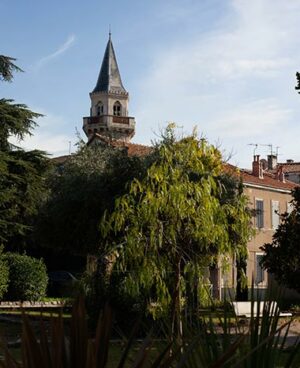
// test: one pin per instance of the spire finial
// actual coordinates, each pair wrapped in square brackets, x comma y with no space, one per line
[109,32]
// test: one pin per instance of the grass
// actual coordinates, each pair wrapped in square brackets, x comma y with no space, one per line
[215,339]
[34,313]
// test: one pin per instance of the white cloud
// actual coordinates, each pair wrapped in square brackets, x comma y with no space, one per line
[61,49]
[231,81]
[261,118]
[48,137]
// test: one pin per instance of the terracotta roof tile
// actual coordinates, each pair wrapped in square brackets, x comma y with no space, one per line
[60,159]
[132,148]
[269,179]
[291,167]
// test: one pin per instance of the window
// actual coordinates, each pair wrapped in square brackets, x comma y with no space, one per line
[275,214]
[259,271]
[289,207]
[117,108]
[259,207]
[99,108]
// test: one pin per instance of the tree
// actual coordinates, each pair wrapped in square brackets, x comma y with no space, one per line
[297,87]
[282,256]
[7,67]
[81,191]
[174,223]
[21,173]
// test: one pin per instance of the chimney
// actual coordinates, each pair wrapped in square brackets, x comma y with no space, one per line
[257,167]
[280,174]
[272,162]
[289,161]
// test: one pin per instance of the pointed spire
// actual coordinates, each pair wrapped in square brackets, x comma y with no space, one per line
[109,79]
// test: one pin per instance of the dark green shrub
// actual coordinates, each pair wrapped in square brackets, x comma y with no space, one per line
[4,275]
[27,277]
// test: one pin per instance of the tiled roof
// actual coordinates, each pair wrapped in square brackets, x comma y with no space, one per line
[290,167]
[135,149]
[60,159]
[132,148]
[268,180]
[109,79]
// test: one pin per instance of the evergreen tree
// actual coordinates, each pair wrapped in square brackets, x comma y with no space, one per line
[21,173]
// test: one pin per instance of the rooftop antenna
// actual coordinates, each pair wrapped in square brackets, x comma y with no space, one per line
[255,147]
[109,31]
[270,146]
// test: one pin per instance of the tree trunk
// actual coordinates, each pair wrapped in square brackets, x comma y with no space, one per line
[176,307]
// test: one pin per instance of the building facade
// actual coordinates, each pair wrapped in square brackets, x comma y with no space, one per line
[269,195]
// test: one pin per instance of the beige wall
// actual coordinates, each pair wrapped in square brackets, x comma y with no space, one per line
[263,235]
[108,101]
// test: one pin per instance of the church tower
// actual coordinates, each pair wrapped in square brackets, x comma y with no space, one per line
[109,103]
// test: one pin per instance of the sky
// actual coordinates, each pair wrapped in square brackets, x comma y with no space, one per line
[226,67]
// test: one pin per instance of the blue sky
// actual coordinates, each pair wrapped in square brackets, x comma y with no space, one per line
[225,66]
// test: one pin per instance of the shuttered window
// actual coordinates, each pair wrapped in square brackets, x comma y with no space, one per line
[259,270]
[259,207]
[275,214]
[289,207]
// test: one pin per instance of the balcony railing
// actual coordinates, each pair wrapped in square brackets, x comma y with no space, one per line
[94,120]
[121,119]
[105,119]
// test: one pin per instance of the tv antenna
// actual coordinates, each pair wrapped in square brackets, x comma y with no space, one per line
[255,147]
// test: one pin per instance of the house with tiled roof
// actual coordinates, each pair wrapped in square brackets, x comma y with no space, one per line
[269,195]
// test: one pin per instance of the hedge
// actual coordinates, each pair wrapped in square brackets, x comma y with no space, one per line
[4,275]
[27,277]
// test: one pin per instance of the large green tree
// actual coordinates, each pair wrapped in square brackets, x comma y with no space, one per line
[174,223]
[21,173]
[282,256]
[80,191]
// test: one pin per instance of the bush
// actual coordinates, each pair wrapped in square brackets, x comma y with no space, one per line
[4,275]
[27,277]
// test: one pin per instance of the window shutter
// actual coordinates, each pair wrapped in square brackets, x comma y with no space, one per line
[259,270]
[275,214]
[259,213]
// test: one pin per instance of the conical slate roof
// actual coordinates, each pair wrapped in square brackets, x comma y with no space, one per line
[109,79]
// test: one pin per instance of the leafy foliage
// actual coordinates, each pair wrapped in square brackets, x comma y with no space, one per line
[4,274]
[27,277]
[22,188]
[282,256]
[174,223]
[7,67]
[81,191]
[17,120]
[22,173]
[297,88]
